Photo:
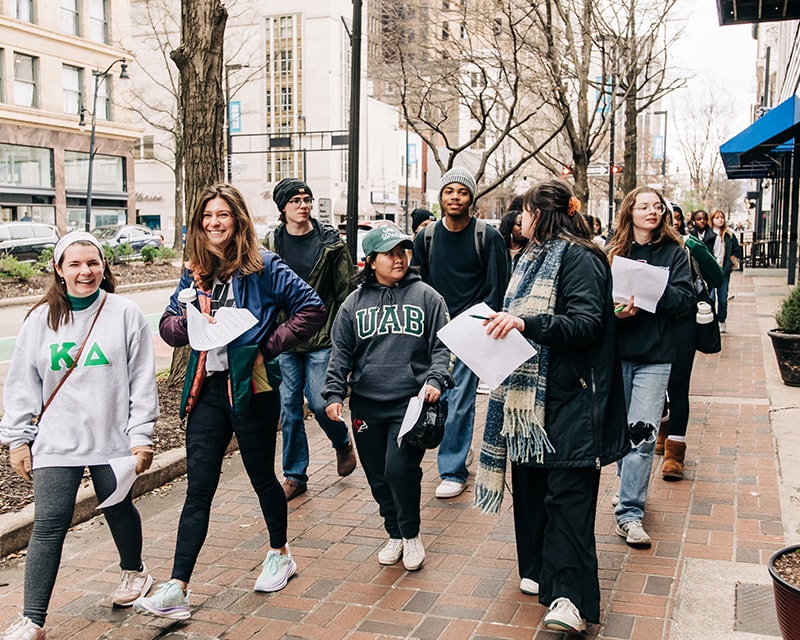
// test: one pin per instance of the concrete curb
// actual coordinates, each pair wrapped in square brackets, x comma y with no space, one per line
[144,286]
[15,528]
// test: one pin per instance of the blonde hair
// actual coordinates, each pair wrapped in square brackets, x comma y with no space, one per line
[622,240]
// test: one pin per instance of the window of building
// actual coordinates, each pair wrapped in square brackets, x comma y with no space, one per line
[72,81]
[70,17]
[268,104]
[445,31]
[22,166]
[98,21]
[25,78]
[463,30]
[108,172]
[2,82]
[285,27]
[23,10]
[285,58]
[286,99]
[103,103]
[144,148]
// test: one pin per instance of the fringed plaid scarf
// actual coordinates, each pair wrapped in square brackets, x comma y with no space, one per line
[515,416]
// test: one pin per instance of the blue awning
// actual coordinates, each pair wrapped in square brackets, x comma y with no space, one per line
[750,153]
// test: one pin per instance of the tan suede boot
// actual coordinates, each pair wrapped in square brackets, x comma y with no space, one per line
[663,432]
[674,453]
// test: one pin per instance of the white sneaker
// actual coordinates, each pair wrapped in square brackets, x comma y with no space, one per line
[723,327]
[450,489]
[470,456]
[634,534]
[132,586]
[23,628]
[483,389]
[615,499]
[413,553]
[278,568]
[391,552]
[529,587]
[564,616]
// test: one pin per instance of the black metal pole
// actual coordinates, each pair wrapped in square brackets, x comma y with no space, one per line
[97,76]
[228,135]
[353,143]
[611,154]
[407,165]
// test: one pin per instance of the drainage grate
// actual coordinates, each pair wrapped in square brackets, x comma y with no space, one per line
[755,609]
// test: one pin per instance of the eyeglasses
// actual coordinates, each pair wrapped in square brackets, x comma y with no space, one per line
[298,201]
[657,207]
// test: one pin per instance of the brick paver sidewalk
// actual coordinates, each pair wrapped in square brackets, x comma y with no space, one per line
[723,519]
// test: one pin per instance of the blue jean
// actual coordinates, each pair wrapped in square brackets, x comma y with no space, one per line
[645,388]
[304,374]
[458,426]
[720,297]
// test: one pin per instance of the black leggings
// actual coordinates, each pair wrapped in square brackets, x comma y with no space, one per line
[680,376]
[208,433]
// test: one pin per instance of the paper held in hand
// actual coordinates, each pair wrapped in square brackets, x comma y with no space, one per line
[490,359]
[645,282]
[230,324]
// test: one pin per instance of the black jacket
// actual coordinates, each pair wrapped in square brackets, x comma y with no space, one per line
[649,338]
[585,414]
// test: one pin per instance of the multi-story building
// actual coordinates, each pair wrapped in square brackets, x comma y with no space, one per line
[53,54]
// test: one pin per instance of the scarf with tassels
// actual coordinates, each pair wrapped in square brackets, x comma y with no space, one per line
[515,426]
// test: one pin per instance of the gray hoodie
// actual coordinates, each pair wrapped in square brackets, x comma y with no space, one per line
[385,338]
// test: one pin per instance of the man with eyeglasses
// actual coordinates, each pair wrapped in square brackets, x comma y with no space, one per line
[317,253]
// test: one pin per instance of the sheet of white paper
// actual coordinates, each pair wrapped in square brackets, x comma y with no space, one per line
[413,412]
[490,359]
[125,472]
[230,324]
[645,282]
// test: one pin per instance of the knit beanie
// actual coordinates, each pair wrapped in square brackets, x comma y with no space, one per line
[287,189]
[418,216]
[461,176]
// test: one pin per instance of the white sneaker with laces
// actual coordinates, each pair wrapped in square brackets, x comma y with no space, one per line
[169,601]
[634,534]
[450,489]
[23,628]
[278,568]
[132,586]
[391,552]
[413,553]
[564,616]
[529,587]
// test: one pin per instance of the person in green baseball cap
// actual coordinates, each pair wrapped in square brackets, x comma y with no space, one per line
[385,238]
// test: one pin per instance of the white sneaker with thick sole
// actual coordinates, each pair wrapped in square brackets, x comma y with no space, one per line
[413,553]
[391,552]
[450,489]
[634,534]
[529,587]
[564,616]
[23,628]
[132,586]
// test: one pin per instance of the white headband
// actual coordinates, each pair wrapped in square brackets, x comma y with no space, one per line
[71,238]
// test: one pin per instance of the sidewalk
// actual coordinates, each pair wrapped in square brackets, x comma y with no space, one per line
[704,577]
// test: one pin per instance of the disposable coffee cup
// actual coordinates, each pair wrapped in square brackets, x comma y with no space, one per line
[186,296]
[704,314]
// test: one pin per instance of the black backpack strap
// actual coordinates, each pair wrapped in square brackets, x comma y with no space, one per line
[480,238]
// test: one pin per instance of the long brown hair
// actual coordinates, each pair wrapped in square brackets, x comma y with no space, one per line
[59,309]
[552,199]
[622,240]
[242,253]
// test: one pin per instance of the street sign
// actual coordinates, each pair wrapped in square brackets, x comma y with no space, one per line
[324,210]
[596,170]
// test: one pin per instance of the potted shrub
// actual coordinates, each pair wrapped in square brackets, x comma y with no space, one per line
[786,338]
[784,567]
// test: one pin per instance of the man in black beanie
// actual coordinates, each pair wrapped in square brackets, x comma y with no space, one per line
[421,218]
[316,253]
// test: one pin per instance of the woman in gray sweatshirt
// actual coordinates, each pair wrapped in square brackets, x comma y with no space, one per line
[384,339]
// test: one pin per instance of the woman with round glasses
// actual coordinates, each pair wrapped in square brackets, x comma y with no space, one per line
[647,344]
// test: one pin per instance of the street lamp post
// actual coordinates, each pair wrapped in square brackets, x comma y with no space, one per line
[663,152]
[99,76]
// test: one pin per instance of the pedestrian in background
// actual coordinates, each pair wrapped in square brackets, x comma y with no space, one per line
[317,253]
[511,230]
[731,256]
[385,349]
[703,232]
[561,415]
[421,218]
[466,266]
[678,222]
[231,389]
[644,232]
[79,338]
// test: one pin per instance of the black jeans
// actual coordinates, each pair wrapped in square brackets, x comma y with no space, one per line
[554,514]
[209,430]
[394,473]
[54,490]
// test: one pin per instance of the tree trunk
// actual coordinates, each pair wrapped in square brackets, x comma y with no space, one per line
[202,116]
[628,182]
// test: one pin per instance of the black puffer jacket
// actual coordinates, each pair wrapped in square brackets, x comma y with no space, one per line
[585,415]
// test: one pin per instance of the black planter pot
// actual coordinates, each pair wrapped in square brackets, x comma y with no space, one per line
[787,353]
[787,598]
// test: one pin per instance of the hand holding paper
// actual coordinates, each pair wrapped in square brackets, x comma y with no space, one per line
[230,324]
[645,282]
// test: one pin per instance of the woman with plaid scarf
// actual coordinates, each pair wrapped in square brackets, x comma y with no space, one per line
[561,415]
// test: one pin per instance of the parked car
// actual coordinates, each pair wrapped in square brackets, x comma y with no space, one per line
[135,235]
[27,240]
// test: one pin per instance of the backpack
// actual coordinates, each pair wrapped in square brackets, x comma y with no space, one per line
[479,237]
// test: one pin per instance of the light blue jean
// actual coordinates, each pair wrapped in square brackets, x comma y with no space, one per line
[645,388]
[720,298]
[304,375]
[458,426]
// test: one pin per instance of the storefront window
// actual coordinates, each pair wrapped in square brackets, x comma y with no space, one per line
[26,166]
[108,172]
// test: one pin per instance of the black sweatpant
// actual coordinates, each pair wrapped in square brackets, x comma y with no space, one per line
[394,474]
[680,376]
[554,513]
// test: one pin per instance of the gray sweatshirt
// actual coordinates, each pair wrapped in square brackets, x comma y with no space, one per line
[385,339]
[109,403]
